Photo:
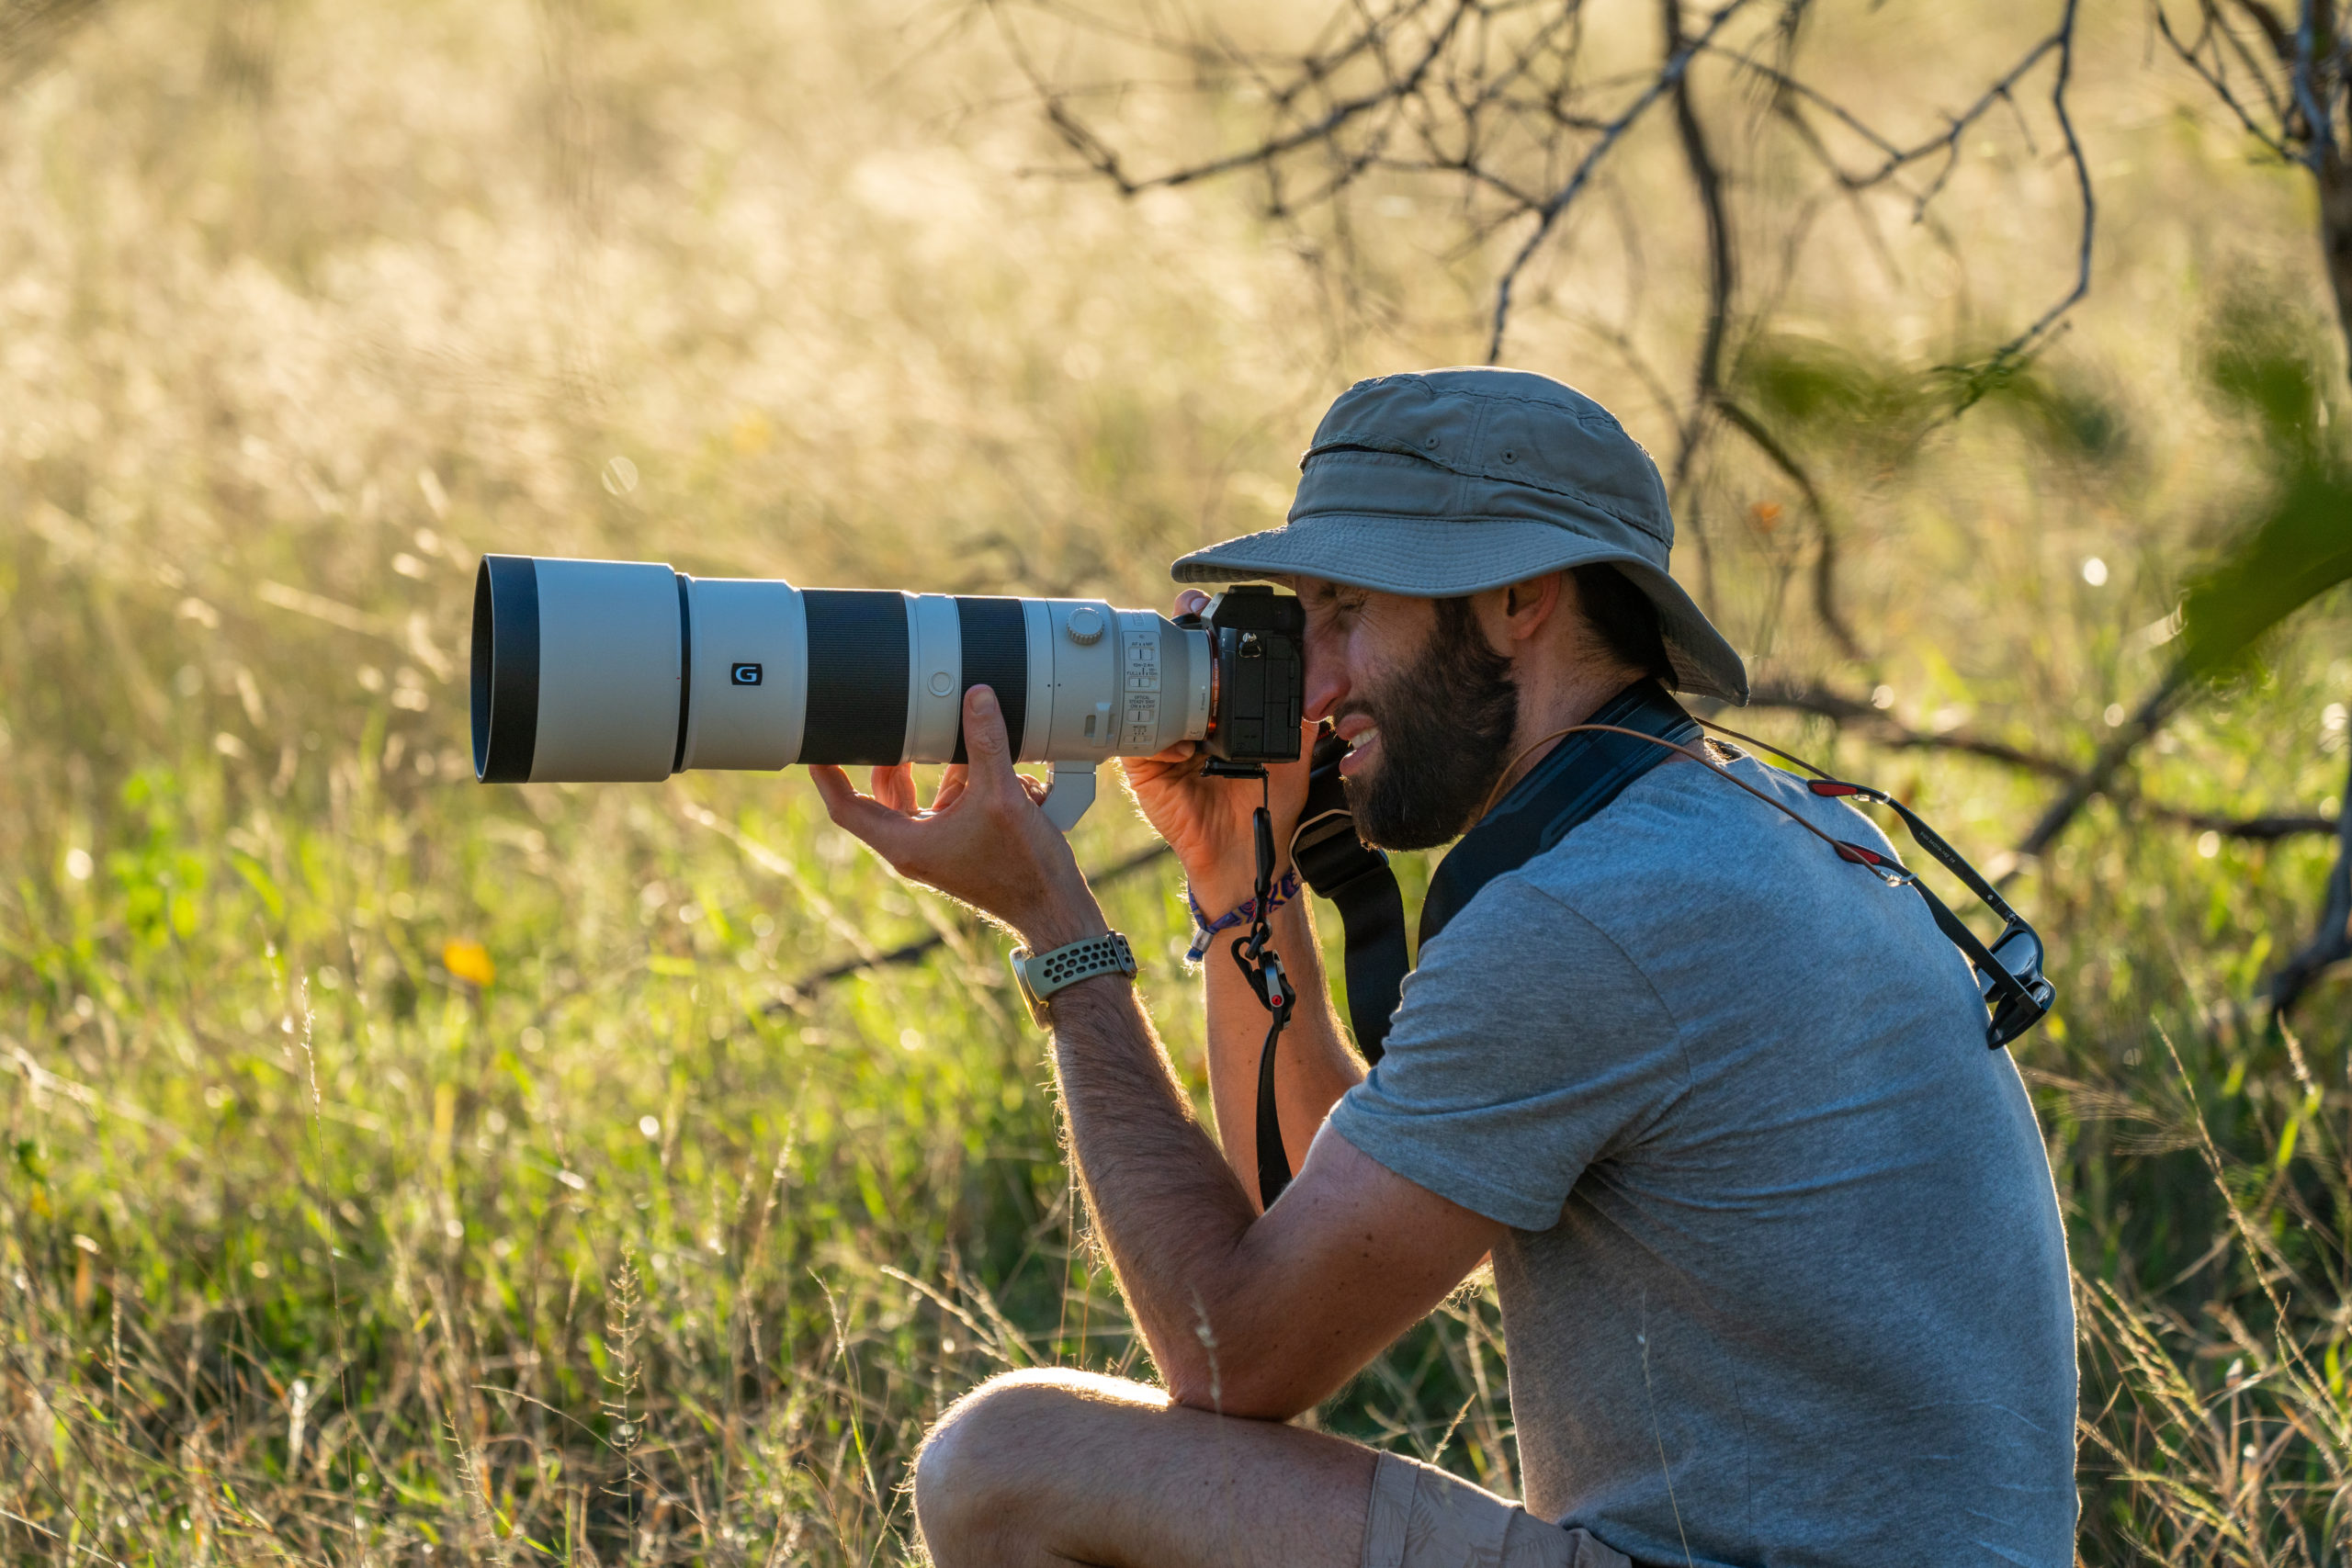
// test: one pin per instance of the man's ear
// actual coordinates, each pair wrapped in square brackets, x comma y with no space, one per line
[1531,605]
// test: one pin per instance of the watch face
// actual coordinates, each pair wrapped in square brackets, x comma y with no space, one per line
[1029,997]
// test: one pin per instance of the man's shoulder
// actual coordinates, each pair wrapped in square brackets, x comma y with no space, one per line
[1736,914]
[1658,835]
[1533,925]
[1683,840]
[1606,889]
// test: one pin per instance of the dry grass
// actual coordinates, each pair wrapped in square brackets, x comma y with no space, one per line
[401,1169]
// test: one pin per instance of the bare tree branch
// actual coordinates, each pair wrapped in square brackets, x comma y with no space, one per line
[2192,53]
[1824,560]
[1948,144]
[1312,73]
[2306,90]
[1548,213]
[1493,94]
[1884,729]
[32,30]
[2099,777]
[2273,26]
[1881,728]
[1722,281]
[2017,346]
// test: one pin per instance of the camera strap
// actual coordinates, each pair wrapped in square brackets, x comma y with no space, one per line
[1634,732]
[1263,967]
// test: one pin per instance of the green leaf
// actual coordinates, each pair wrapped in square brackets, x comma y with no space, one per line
[2294,555]
[2262,360]
[1806,384]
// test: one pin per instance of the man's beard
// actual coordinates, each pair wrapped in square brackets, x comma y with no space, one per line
[1446,722]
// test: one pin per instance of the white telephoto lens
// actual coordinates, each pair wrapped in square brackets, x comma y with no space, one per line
[596,671]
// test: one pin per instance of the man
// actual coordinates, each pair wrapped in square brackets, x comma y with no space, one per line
[1782,1270]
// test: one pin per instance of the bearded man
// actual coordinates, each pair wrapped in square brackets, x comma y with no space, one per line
[1782,1270]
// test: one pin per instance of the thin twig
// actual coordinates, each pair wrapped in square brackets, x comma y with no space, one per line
[2332,942]
[798,993]
[1825,565]
[2143,722]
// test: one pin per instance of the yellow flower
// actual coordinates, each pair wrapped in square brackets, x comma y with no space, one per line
[469,961]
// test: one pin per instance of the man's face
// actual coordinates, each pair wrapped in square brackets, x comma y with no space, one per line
[1425,704]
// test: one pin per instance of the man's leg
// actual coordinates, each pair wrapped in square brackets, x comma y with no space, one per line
[1059,1467]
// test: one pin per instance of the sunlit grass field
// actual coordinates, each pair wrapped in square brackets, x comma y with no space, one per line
[403,1169]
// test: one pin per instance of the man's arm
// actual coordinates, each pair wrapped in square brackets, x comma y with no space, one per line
[1312,1065]
[1249,1314]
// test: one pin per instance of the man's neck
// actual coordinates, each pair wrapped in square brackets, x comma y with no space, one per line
[1548,707]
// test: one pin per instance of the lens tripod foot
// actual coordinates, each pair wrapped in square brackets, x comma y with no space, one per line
[1071,793]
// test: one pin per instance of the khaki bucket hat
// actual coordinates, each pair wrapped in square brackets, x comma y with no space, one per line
[1444,482]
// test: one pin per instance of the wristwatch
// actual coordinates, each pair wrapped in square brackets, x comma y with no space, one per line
[1040,974]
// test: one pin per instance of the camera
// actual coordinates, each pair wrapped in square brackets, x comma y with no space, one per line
[1257,675]
[593,670]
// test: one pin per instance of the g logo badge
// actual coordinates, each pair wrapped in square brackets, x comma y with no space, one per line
[743,674]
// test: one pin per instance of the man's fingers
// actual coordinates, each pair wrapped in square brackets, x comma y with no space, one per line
[953,782]
[1190,602]
[989,773]
[894,786]
[1183,751]
[859,816]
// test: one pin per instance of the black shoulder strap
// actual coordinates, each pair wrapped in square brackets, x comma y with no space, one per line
[1358,879]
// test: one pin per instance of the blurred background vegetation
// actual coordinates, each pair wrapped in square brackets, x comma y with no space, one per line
[400,1169]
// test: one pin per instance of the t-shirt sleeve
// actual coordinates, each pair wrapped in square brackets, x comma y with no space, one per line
[1526,1047]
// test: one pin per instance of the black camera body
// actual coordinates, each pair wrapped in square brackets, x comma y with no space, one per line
[1258,640]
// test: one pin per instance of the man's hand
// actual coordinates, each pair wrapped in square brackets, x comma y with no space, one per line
[1207,821]
[983,840]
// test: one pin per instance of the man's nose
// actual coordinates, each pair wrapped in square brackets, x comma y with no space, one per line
[1326,682]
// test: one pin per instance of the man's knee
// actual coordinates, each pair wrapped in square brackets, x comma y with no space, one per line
[993,1456]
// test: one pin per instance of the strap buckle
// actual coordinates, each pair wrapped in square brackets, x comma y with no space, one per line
[1265,973]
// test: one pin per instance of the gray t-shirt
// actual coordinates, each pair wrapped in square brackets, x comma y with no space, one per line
[1786,1282]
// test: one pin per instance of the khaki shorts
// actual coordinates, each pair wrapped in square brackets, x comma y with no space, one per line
[1422,1517]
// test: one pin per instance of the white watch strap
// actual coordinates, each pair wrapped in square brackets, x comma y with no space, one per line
[1041,975]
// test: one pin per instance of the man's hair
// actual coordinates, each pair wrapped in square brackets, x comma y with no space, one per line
[1624,620]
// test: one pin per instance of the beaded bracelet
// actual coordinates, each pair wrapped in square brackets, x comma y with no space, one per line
[1284,891]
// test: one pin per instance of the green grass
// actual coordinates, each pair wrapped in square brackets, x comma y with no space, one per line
[324,1237]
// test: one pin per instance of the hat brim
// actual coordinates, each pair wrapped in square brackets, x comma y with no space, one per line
[1426,558]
